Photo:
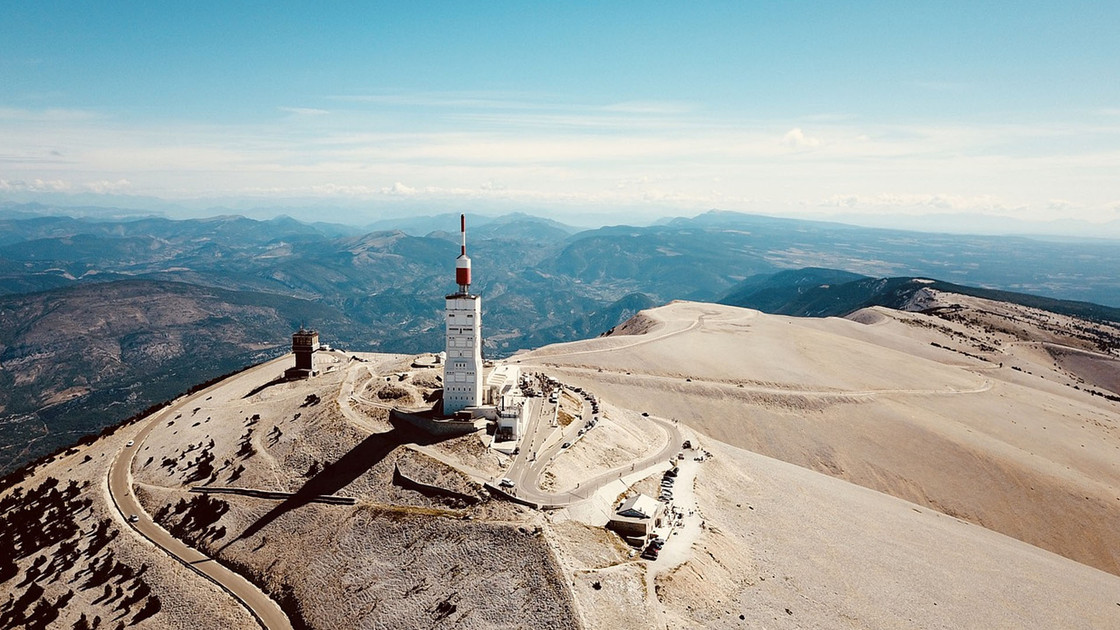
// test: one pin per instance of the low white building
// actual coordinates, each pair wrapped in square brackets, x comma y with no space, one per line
[637,516]
[503,392]
[502,388]
[511,423]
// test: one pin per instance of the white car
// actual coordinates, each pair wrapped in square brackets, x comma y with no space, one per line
[506,482]
[133,519]
[131,443]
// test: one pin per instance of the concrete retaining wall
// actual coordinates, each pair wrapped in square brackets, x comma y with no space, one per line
[432,426]
[427,489]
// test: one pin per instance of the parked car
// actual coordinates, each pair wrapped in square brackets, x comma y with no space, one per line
[565,445]
[133,519]
[506,482]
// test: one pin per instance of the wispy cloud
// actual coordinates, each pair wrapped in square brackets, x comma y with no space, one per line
[649,107]
[304,111]
[525,110]
[106,187]
[939,86]
[619,153]
[940,202]
[46,115]
[35,185]
[455,100]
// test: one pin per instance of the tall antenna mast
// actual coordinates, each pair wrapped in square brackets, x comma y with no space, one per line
[463,262]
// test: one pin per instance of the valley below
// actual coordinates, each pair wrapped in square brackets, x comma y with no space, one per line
[102,318]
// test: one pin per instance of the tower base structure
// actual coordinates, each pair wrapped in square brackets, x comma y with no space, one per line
[462,370]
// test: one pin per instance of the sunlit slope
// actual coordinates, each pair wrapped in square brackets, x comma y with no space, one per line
[788,547]
[879,404]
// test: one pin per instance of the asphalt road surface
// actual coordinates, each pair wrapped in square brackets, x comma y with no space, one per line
[526,472]
[263,608]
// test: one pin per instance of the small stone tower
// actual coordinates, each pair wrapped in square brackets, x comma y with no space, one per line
[304,345]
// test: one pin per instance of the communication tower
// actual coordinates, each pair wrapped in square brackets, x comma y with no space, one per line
[462,371]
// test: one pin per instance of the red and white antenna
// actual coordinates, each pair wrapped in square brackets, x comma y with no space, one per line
[463,262]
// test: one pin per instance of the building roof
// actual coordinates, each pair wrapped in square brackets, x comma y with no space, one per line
[639,506]
[502,375]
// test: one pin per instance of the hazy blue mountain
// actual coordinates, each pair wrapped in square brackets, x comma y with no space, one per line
[542,282]
[772,293]
[699,258]
[512,225]
[1073,269]
[665,262]
[831,293]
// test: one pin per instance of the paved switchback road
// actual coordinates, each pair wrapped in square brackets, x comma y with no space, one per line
[527,475]
[263,608]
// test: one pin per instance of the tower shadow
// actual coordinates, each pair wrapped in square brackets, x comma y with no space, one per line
[341,473]
[260,388]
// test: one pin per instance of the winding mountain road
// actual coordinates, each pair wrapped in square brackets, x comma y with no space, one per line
[119,479]
[661,381]
[526,473]
[641,340]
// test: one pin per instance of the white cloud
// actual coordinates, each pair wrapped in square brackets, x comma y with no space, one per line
[797,139]
[921,202]
[398,189]
[104,186]
[35,185]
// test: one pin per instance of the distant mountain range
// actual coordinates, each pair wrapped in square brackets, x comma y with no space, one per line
[105,314]
[815,292]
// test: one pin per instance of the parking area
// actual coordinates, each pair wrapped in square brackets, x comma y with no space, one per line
[671,544]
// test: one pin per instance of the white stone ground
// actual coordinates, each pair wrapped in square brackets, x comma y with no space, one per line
[812,425]
[188,601]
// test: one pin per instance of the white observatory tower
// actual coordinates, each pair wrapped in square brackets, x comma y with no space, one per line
[462,373]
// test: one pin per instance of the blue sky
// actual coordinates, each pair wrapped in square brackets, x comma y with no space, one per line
[801,108]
